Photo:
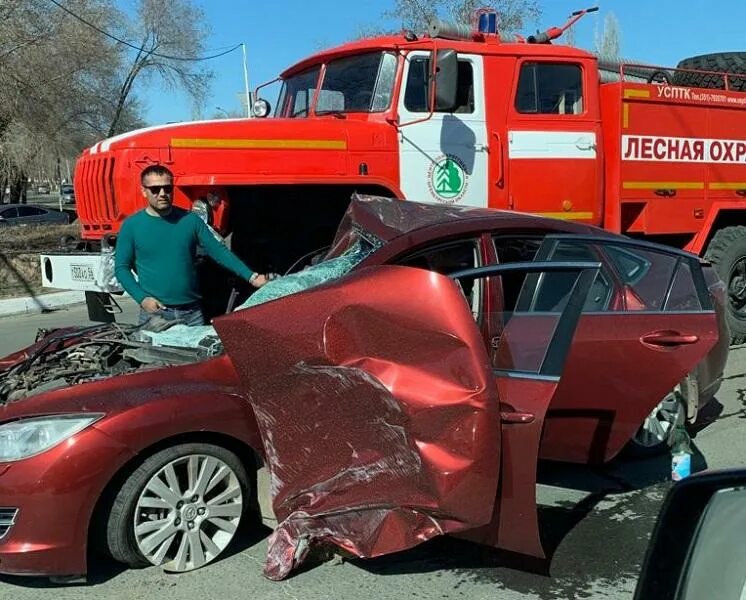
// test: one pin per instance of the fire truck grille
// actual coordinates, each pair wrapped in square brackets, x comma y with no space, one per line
[97,205]
[7,519]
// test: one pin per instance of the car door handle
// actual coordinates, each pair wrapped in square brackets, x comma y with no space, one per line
[500,181]
[518,418]
[667,339]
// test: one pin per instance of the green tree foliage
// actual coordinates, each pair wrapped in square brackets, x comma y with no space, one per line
[513,15]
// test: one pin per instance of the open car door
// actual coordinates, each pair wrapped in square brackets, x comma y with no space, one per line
[381,413]
[529,348]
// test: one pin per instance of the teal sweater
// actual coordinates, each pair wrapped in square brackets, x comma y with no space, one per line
[163,251]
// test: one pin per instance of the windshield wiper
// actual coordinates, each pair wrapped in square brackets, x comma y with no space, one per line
[334,113]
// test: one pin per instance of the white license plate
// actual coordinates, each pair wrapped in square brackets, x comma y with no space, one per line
[82,273]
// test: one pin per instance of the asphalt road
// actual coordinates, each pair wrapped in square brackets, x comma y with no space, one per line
[596,523]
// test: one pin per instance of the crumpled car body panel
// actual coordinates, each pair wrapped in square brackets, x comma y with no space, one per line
[378,412]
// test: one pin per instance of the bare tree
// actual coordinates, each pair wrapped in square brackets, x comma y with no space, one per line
[513,15]
[68,73]
[608,42]
[56,83]
[171,33]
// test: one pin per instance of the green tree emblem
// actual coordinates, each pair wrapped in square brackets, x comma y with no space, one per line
[448,178]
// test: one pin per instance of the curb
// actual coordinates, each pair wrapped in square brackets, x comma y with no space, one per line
[40,303]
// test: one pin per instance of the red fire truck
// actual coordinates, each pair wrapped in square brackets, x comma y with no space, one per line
[454,116]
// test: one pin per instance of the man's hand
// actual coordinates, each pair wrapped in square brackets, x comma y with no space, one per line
[151,305]
[258,281]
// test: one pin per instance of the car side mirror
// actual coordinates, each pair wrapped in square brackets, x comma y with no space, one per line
[697,548]
[446,79]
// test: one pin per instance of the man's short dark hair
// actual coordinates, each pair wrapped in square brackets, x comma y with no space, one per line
[155,170]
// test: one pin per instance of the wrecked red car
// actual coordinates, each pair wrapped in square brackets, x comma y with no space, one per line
[401,388]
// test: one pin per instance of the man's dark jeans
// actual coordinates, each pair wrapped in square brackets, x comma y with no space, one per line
[190,314]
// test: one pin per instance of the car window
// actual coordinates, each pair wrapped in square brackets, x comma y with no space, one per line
[297,94]
[632,278]
[683,295]
[9,213]
[645,274]
[550,88]
[529,339]
[553,289]
[30,211]
[450,258]
[360,83]
[556,287]
[630,265]
[416,93]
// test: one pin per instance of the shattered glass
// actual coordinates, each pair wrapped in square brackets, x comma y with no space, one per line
[362,245]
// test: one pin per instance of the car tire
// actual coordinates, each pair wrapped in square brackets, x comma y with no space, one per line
[719,62]
[156,501]
[727,253]
[655,435]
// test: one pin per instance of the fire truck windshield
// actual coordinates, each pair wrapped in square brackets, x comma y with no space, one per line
[360,83]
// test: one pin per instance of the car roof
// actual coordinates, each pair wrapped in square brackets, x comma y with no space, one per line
[389,218]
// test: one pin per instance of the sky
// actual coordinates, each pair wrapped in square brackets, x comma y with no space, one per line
[278,34]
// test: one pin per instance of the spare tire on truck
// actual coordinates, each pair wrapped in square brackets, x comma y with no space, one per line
[720,62]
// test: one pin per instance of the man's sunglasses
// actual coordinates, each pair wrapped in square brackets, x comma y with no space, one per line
[156,189]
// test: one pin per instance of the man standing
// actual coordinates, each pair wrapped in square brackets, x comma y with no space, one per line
[160,242]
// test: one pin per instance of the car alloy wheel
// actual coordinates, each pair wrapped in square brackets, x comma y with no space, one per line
[656,431]
[188,513]
[179,509]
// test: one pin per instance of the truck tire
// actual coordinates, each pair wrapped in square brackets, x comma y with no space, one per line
[721,62]
[727,253]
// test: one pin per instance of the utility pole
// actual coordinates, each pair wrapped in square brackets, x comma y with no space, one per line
[246,82]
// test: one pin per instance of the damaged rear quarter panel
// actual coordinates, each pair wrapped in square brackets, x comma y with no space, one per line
[377,409]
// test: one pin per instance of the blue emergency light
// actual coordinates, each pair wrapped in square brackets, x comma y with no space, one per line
[487,22]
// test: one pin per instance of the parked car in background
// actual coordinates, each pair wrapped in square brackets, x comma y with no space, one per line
[401,388]
[42,188]
[30,214]
[67,194]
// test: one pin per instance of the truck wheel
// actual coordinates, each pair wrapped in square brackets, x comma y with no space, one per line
[179,509]
[727,253]
[720,62]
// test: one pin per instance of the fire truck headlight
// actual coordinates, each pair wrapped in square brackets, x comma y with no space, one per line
[261,108]
[203,210]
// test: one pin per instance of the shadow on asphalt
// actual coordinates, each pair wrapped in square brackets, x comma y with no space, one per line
[103,568]
[608,548]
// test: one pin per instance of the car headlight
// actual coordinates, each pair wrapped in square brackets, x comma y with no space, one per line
[203,210]
[27,437]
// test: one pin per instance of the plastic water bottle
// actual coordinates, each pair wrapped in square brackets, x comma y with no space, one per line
[681,454]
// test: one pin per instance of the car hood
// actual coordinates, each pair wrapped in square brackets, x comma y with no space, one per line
[71,335]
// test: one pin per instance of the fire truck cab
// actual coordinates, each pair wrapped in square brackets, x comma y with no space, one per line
[458,116]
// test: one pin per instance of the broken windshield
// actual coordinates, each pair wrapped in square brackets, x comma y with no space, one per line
[349,252]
